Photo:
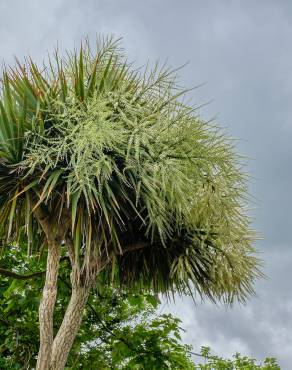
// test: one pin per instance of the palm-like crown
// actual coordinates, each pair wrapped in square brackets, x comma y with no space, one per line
[152,195]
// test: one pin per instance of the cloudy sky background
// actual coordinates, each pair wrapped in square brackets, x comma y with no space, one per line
[242,52]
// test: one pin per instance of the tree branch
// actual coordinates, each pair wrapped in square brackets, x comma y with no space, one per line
[70,248]
[14,275]
[42,216]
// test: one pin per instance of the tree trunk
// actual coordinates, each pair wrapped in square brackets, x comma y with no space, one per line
[46,309]
[69,327]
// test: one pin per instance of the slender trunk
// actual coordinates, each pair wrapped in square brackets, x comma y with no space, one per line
[69,327]
[46,309]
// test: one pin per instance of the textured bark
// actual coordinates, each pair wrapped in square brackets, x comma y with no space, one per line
[69,327]
[55,233]
[54,352]
[46,309]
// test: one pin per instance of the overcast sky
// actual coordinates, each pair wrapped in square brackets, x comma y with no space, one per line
[242,52]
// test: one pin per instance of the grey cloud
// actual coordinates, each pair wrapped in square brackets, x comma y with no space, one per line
[261,328]
[241,50]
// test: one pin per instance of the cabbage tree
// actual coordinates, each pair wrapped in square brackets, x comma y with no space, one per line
[108,166]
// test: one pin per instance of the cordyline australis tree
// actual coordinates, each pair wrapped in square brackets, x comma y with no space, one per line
[109,167]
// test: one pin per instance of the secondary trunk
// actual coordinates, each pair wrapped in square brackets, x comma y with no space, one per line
[69,327]
[46,309]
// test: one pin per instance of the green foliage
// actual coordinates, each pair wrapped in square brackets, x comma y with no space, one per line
[238,362]
[19,301]
[120,330]
[151,192]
